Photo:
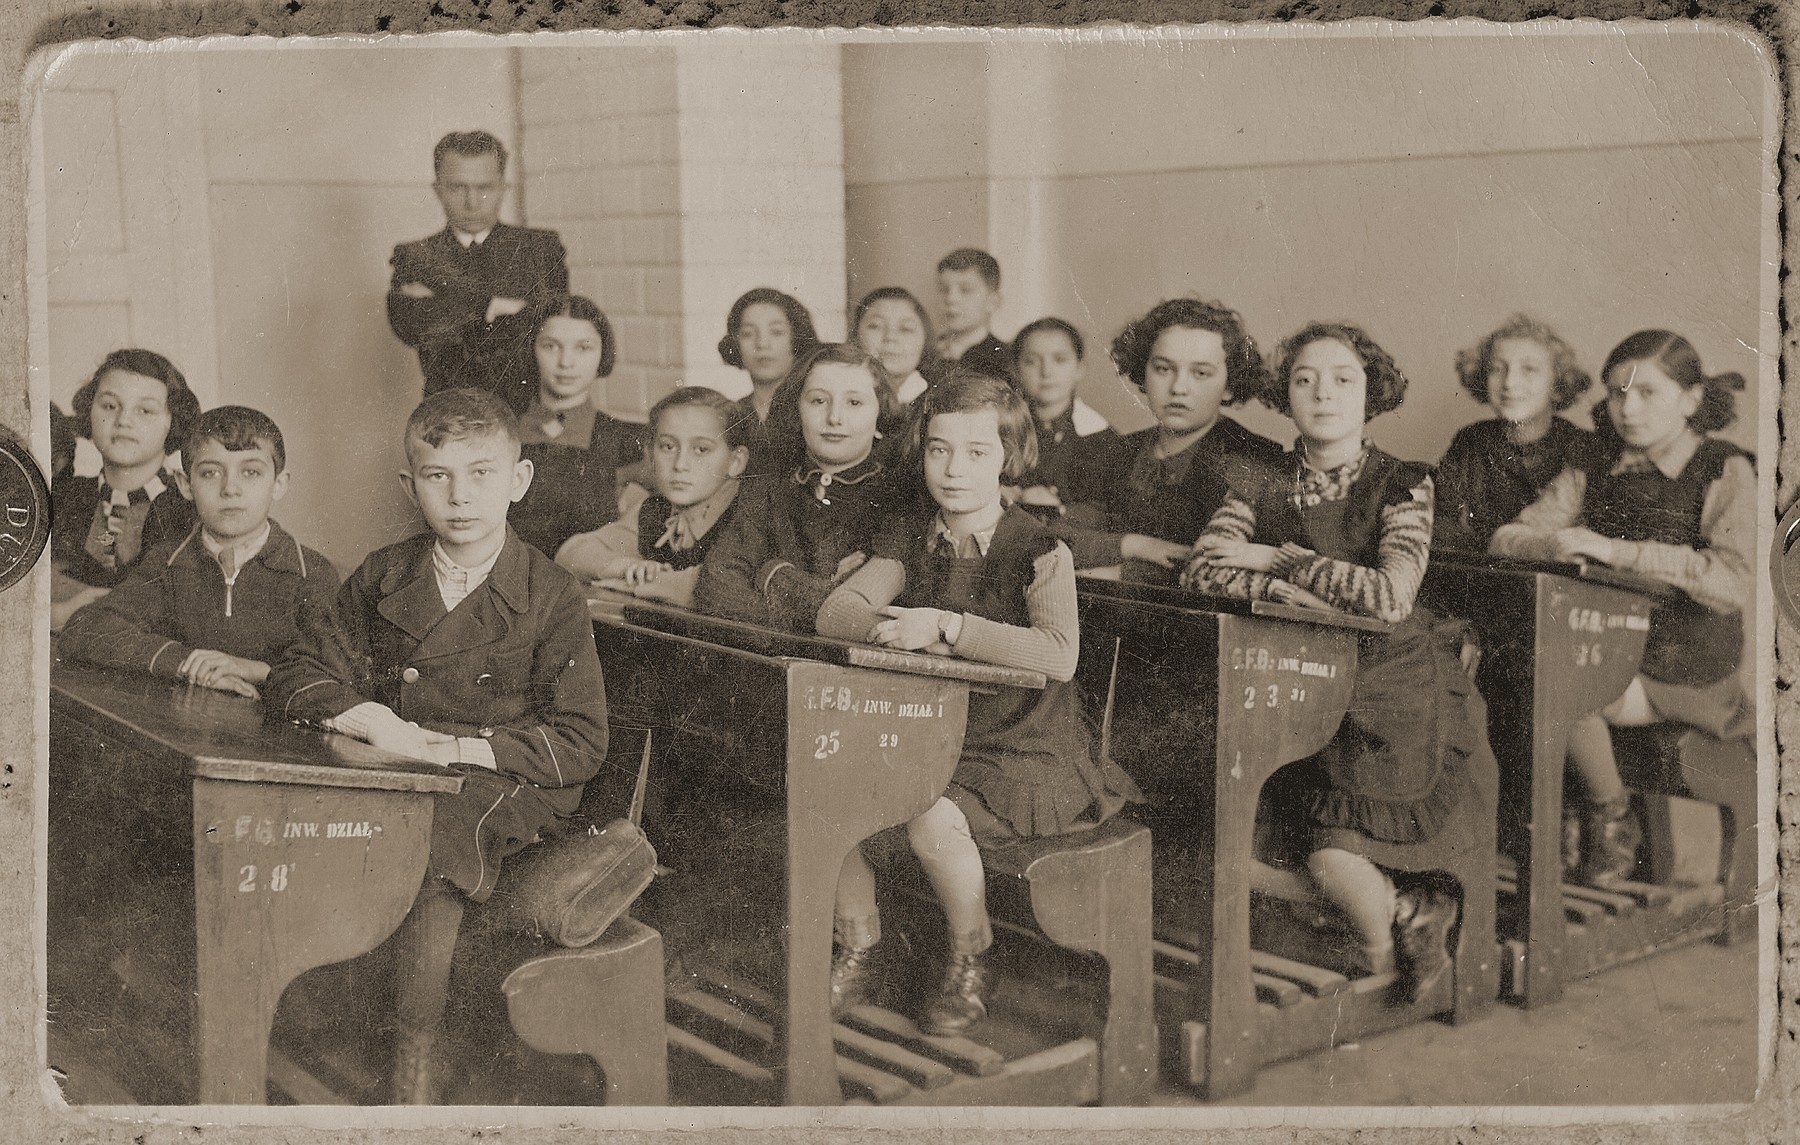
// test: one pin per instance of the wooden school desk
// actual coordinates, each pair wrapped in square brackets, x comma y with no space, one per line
[1216,696]
[855,739]
[1559,642]
[307,848]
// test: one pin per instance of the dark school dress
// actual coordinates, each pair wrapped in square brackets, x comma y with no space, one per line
[1027,754]
[1485,480]
[98,547]
[1129,489]
[1068,449]
[1690,646]
[1400,761]
[777,560]
[574,486]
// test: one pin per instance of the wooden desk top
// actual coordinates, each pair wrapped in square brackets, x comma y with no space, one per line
[1587,571]
[216,735]
[619,608]
[1189,601]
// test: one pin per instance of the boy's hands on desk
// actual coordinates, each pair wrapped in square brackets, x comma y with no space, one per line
[1578,544]
[224,672]
[636,574]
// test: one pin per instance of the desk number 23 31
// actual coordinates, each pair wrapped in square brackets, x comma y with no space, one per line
[278,877]
[1271,696]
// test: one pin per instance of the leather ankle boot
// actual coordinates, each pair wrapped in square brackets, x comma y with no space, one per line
[958,1004]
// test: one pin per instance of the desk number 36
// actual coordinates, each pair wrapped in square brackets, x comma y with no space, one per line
[278,877]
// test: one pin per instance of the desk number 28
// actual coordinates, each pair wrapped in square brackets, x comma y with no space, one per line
[278,877]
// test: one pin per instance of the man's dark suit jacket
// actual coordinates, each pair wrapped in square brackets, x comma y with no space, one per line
[456,345]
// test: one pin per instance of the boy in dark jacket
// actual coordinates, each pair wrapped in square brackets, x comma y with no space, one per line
[466,647]
[215,607]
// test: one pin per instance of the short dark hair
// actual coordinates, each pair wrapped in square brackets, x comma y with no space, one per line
[801,334]
[1043,325]
[1385,384]
[237,428]
[470,144]
[785,435]
[450,415]
[733,416]
[968,258]
[962,390]
[183,406]
[1569,383]
[1245,375]
[582,308]
[1676,357]
[881,294]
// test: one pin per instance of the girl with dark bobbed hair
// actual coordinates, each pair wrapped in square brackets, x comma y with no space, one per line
[1662,498]
[135,408]
[766,332]
[582,456]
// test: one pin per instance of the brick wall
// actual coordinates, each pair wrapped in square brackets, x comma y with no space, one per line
[599,143]
[680,176]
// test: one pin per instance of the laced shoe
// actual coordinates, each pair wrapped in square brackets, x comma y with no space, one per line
[1422,922]
[849,978]
[1612,837]
[958,1003]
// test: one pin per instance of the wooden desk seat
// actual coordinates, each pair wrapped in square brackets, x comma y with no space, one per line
[1678,760]
[1087,893]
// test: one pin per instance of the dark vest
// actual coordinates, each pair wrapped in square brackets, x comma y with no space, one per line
[653,517]
[1689,643]
[993,587]
[1347,530]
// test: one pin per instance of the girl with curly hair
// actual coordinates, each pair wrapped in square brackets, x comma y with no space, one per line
[1342,525]
[1140,504]
[1663,498]
[1527,375]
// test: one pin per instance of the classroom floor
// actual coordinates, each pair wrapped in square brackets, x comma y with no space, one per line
[1676,1029]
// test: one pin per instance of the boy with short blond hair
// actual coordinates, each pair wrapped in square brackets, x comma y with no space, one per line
[217,606]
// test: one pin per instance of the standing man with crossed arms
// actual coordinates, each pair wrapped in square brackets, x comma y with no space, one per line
[460,297]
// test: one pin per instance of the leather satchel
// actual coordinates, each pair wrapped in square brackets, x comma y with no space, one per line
[569,888]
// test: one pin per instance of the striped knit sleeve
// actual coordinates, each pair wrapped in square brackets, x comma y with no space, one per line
[1052,644]
[1717,573]
[1532,535]
[1385,591]
[1235,520]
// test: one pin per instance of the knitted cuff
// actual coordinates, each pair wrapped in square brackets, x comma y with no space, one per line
[1290,559]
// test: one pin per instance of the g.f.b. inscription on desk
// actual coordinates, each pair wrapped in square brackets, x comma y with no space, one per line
[24,511]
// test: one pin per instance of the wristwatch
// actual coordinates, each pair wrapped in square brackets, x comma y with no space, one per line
[945,617]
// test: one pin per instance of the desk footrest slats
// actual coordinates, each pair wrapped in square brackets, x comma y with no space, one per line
[916,1069]
[728,1024]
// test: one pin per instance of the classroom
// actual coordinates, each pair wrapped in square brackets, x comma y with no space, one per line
[911,579]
